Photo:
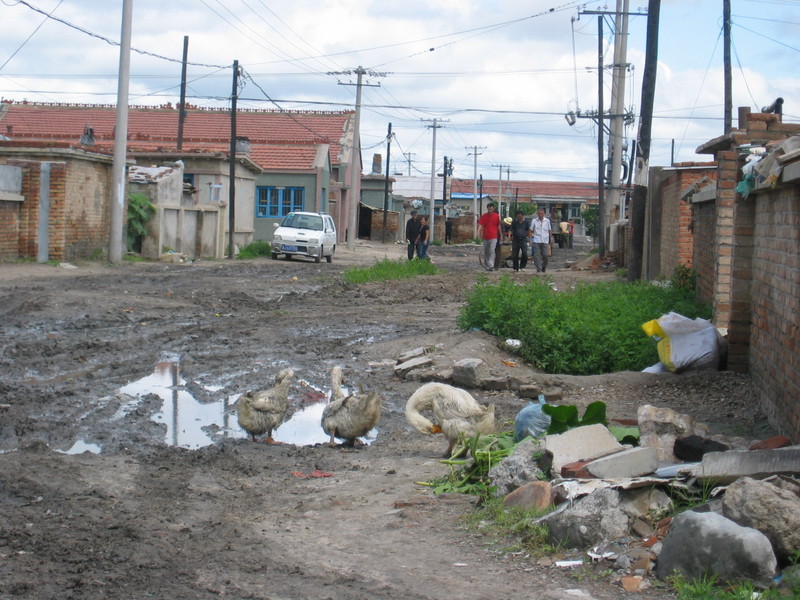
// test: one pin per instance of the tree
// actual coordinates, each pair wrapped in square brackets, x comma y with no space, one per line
[590,215]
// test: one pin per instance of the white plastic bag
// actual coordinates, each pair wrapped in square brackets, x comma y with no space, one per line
[685,343]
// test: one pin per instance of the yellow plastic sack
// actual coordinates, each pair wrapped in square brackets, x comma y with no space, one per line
[684,343]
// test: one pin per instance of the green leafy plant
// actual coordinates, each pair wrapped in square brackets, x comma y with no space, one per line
[387,269]
[140,211]
[684,278]
[591,217]
[565,416]
[255,249]
[496,520]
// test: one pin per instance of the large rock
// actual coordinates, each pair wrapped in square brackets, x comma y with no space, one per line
[606,514]
[660,427]
[518,469]
[775,512]
[701,543]
[469,373]
[536,495]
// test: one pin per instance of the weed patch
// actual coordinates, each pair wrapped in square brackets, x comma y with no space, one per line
[386,269]
[255,249]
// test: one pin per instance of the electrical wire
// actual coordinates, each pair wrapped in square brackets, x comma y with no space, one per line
[27,39]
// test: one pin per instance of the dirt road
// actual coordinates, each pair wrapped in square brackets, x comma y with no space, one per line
[123,479]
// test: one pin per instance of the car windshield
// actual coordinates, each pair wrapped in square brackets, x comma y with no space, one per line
[313,222]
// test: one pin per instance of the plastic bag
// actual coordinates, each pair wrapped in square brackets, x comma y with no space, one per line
[684,343]
[531,421]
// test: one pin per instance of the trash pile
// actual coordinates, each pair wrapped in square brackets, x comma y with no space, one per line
[619,504]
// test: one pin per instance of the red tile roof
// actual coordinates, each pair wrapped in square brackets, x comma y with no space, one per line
[156,128]
[528,189]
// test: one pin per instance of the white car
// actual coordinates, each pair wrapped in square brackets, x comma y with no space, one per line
[305,234]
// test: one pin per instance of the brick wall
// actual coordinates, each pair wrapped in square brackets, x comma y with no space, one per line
[80,204]
[774,357]
[704,223]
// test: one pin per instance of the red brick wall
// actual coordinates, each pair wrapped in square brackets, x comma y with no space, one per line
[677,239]
[774,355]
[704,219]
[80,209]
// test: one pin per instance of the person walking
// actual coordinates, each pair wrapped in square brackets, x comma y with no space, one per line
[542,237]
[520,238]
[489,232]
[424,238]
[571,233]
[412,234]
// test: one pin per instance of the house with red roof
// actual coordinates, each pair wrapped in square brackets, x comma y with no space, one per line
[285,160]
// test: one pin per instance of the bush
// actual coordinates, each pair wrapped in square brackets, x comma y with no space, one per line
[140,211]
[593,329]
[254,249]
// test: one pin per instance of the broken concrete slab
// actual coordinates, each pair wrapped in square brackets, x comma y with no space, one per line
[408,355]
[580,443]
[726,467]
[631,462]
[404,368]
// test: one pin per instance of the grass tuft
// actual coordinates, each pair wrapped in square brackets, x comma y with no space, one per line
[386,269]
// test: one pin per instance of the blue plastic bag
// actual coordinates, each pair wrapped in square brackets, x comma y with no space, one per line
[531,421]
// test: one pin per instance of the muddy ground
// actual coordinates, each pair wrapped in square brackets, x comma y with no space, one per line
[139,516]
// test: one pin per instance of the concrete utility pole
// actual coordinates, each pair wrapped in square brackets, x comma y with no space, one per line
[639,202]
[616,137]
[354,198]
[475,154]
[115,238]
[232,164]
[436,125]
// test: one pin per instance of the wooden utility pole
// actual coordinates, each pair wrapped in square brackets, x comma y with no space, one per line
[232,163]
[386,182]
[601,180]
[475,154]
[182,106]
[726,57]
[639,201]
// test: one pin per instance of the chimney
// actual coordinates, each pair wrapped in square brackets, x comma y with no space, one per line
[243,145]
[87,139]
[377,161]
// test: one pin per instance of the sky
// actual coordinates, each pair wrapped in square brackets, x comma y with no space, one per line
[498,77]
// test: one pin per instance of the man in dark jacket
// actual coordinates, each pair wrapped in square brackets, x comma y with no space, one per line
[520,238]
[412,233]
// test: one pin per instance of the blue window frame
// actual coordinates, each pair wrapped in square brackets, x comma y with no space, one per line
[274,202]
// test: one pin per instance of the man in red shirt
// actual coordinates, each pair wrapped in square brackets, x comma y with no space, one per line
[489,232]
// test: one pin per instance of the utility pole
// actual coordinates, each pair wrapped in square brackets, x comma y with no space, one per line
[232,163]
[386,182]
[182,107]
[726,58]
[500,187]
[601,201]
[615,138]
[355,168]
[115,238]
[475,154]
[431,216]
[408,156]
[639,201]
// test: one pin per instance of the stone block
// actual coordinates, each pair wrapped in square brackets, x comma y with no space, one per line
[468,372]
[408,355]
[404,368]
[581,443]
[632,462]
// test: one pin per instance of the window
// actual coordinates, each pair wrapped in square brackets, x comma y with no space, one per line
[272,202]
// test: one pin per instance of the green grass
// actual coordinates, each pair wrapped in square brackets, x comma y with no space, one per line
[592,329]
[514,526]
[255,249]
[707,588]
[386,269]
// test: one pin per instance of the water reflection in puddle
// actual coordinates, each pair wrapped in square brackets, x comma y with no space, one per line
[187,419]
[80,446]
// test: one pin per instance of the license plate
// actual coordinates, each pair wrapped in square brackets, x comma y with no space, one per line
[287,248]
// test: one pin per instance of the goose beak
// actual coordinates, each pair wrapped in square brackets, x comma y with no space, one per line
[436,429]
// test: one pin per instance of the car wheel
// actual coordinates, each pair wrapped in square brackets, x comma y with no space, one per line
[329,258]
[274,256]
[318,257]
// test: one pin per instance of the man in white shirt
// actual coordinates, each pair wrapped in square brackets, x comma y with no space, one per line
[542,236]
